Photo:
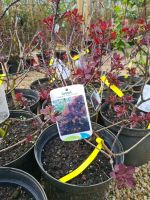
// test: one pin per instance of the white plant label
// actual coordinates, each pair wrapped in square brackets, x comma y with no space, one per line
[73,122]
[96,100]
[4,111]
[61,69]
[146,95]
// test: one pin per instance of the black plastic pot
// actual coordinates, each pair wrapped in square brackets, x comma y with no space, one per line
[57,190]
[137,83]
[27,161]
[43,81]
[128,137]
[29,94]
[11,176]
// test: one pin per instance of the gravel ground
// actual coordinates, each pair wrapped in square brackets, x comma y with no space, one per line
[142,189]
[140,192]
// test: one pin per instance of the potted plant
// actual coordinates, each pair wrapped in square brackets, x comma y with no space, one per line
[17,184]
[55,161]
[18,134]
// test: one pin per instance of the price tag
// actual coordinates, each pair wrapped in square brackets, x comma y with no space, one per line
[112,87]
[148,126]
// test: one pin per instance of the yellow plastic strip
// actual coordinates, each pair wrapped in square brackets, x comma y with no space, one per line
[130,65]
[85,164]
[83,53]
[52,80]
[51,62]
[126,76]
[2,78]
[112,87]
[2,133]
[148,126]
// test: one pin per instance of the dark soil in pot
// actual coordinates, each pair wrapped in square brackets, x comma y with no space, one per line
[28,99]
[128,137]
[57,158]
[14,192]
[62,161]
[21,127]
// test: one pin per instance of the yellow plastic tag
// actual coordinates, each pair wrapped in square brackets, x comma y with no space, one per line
[126,76]
[83,53]
[112,87]
[2,78]
[52,80]
[2,133]
[130,65]
[85,164]
[148,126]
[51,62]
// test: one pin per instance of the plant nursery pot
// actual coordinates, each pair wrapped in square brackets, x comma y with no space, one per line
[136,89]
[40,83]
[57,190]
[26,160]
[20,185]
[13,66]
[128,137]
[31,95]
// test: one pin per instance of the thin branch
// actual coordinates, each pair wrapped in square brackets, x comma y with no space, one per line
[9,6]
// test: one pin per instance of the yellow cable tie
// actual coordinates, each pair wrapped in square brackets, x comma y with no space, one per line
[100,90]
[83,53]
[2,78]
[52,80]
[130,65]
[112,87]
[126,76]
[148,126]
[2,133]
[85,164]
[51,62]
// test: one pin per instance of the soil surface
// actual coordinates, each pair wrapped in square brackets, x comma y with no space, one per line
[13,192]
[17,131]
[111,116]
[60,158]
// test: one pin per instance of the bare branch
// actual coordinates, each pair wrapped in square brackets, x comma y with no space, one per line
[9,6]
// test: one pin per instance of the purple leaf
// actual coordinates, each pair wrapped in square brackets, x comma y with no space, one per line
[123,175]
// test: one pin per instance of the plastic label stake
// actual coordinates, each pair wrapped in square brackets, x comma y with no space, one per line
[148,126]
[78,56]
[85,164]
[112,87]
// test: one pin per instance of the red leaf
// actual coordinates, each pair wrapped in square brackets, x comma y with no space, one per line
[29,138]
[123,175]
